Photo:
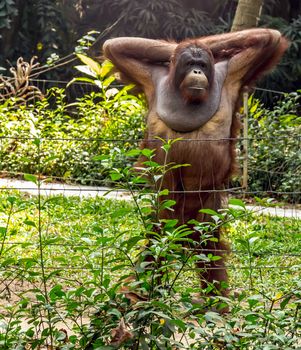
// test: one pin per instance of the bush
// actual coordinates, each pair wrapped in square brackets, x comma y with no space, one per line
[275,158]
[102,274]
[286,75]
[71,135]
[76,137]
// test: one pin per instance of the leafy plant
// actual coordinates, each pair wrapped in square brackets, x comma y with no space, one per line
[118,276]
[286,76]
[37,28]
[104,122]
[274,156]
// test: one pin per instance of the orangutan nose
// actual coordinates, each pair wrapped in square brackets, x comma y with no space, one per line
[197,71]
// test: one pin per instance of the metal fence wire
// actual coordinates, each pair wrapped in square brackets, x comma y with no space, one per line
[60,228]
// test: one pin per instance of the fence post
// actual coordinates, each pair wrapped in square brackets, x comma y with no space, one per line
[245,141]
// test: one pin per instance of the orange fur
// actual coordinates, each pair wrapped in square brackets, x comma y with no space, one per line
[210,149]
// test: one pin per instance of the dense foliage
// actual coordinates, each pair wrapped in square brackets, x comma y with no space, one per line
[50,28]
[286,76]
[103,122]
[274,157]
[36,27]
[111,121]
[76,274]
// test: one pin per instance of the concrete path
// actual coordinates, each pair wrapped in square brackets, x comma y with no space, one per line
[276,211]
[52,189]
[82,191]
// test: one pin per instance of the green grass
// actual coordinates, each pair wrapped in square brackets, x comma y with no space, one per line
[86,247]
[74,232]
[268,246]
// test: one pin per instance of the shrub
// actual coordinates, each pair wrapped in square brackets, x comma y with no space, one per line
[76,136]
[72,262]
[275,158]
[103,122]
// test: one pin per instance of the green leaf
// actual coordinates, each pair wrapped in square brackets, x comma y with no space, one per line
[133,153]
[179,166]
[120,212]
[168,204]
[254,300]
[130,243]
[166,147]
[151,164]
[61,336]
[56,292]
[237,202]
[285,302]
[101,157]
[147,152]
[170,223]
[214,257]
[164,192]
[146,210]
[116,176]
[30,332]
[208,211]
[31,178]
[37,141]
[213,317]
[180,324]
[140,180]
[107,82]
[30,223]
[93,65]
[120,267]
[81,79]
[252,317]
[11,199]
[86,70]
[106,67]
[252,240]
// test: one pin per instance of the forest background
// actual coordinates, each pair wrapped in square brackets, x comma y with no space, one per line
[50,29]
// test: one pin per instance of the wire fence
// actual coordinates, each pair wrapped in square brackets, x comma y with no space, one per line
[62,220]
[52,185]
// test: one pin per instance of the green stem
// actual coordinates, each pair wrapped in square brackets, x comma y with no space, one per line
[295,319]
[129,187]
[180,271]
[41,248]
[159,189]
[102,261]
[268,321]
[8,329]
[6,228]
[250,265]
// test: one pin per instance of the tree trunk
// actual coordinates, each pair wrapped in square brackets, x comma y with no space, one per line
[247,14]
